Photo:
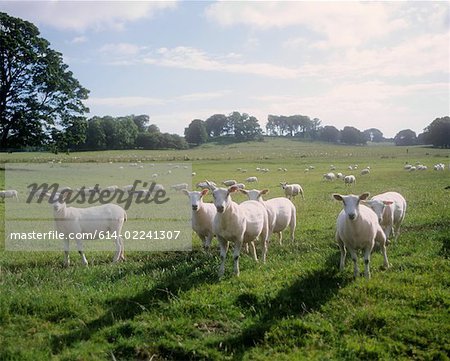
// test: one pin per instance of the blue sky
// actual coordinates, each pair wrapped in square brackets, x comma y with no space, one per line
[363,64]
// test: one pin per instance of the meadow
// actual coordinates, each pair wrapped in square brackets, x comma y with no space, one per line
[297,306]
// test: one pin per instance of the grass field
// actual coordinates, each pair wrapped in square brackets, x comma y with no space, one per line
[297,306]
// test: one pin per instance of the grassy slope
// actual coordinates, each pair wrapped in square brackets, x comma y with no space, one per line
[297,306]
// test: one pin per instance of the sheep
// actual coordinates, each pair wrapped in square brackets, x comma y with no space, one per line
[357,227]
[238,223]
[407,166]
[240,185]
[340,176]
[329,176]
[281,212]
[9,193]
[229,182]
[251,179]
[390,207]
[179,187]
[365,171]
[202,216]
[350,180]
[292,190]
[87,222]
[205,184]
[439,167]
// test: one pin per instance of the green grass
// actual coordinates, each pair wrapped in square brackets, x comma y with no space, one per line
[297,306]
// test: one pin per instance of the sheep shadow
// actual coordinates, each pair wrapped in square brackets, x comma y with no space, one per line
[305,295]
[193,269]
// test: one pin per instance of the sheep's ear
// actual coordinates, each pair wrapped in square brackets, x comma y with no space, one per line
[338,197]
[364,196]
[185,192]
[388,203]
[210,185]
[233,189]
[204,192]
[244,191]
[264,191]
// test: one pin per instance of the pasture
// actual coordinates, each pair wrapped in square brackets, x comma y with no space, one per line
[172,306]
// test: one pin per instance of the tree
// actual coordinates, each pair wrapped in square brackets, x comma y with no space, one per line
[216,125]
[351,135]
[373,135]
[38,93]
[141,122]
[405,137]
[330,134]
[196,133]
[438,132]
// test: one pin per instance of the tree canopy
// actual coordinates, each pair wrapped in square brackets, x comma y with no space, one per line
[438,132]
[39,96]
[405,137]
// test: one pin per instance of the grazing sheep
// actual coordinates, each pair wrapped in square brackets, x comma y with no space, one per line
[357,227]
[179,187]
[365,171]
[350,180]
[329,177]
[202,216]
[240,185]
[9,193]
[281,212]
[390,207]
[240,224]
[340,176]
[439,167]
[88,222]
[251,179]
[229,182]
[292,190]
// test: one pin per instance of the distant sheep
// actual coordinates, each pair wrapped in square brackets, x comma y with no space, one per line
[329,176]
[179,187]
[350,180]
[251,179]
[357,227]
[365,171]
[229,182]
[292,190]
[9,193]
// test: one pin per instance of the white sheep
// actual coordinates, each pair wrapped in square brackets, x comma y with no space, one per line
[281,212]
[365,171]
[202,216]
[390,207]
[90,223]
[329,176]
[340,175]
[292,190]
[240,224]
[350,180]
[9,193]
[357,227]
[251,179]
[229,182]
[179,187]
[240,185]
[206,184]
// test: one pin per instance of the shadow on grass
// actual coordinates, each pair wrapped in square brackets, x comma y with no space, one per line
[180,272]
[305,295]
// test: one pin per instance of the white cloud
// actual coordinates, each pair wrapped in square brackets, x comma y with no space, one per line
[79,40]
[124,102]
[121,49]
[83,15]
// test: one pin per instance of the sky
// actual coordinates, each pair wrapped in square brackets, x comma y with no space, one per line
[381,65]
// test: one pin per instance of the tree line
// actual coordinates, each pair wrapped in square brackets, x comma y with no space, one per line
[41,107]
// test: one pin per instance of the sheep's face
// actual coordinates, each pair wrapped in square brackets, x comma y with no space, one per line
[195,198]
[351,204]
[222,199]
[283,185]
[255,194]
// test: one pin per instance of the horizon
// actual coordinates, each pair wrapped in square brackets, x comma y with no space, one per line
[367,65]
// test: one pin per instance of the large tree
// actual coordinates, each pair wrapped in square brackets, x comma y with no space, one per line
[196,133]
[38,93]
[330,134]
[373,135]
[351,135]
[405,137]
[438,132]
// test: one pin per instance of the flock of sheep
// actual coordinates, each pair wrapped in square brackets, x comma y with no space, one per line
[362,224]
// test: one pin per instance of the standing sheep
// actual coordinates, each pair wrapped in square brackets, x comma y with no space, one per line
[9,193]
[281,212]
[349,180]
[90,223]
[292,190]
[390,207]
[238,224]
[357,227]
[202,216]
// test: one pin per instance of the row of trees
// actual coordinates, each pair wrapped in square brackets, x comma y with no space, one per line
[437,133]
[241,127]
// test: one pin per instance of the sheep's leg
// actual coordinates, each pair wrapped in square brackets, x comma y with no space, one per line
[118,250]
[388,231]
[236,254]
[255,256]
[355,262]
[81,252]
[223,254]
[386,264]
[292,226]
[66,253]
[367,262]
[343,252]
[265,248]
[280,238]
[122,250]
[207,242]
